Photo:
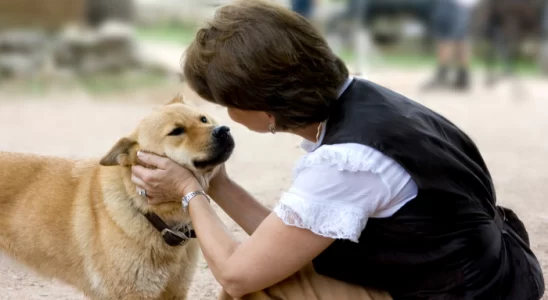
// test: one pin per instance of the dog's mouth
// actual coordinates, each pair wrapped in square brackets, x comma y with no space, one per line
[219,153]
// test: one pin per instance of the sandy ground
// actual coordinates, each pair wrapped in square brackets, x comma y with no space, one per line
[510,128]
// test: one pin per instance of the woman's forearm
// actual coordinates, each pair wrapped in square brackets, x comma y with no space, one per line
[215,241]
[243,208]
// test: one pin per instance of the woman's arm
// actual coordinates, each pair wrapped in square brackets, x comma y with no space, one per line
[274,251]
[243,208]
[330,203]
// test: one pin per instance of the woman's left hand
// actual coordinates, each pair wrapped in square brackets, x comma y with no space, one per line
[168,182]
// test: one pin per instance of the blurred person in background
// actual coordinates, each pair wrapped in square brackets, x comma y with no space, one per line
[509,25]
[544,29]
[303,7]
[357,34]
[544,37]
[451,22]
[545,21]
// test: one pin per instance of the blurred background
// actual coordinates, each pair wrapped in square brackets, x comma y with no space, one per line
[76,75]
[112,44]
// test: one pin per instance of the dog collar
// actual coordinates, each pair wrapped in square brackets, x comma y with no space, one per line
[170,236]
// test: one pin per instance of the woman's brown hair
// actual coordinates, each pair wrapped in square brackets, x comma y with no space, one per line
[256,55]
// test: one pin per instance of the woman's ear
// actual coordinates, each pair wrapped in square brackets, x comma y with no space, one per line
[270,117]
[270,122]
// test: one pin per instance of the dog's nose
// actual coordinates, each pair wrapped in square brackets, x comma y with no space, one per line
[220,132]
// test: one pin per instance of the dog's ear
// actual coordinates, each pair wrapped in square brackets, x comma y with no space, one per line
[124,153]
[177,99]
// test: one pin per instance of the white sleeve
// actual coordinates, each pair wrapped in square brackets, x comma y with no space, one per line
[332,201]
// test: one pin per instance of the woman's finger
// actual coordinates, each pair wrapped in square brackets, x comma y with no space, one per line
[142,173]
[139,183]
[153,160]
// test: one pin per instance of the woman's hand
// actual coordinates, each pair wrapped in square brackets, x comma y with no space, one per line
[168,182]
[219,179]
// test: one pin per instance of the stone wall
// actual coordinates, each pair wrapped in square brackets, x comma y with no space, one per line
[76,36]
[75,50]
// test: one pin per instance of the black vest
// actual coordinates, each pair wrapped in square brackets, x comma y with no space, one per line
[451,241]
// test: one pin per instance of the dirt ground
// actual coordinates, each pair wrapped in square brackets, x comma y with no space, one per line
[510,128]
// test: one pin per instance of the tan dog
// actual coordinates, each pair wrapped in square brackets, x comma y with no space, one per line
[83,222]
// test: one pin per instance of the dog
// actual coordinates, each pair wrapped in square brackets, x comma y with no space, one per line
[83,222]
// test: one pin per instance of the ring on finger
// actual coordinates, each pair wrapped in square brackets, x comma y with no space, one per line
[142,193]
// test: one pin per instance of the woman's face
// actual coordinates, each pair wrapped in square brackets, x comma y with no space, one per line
[257,121]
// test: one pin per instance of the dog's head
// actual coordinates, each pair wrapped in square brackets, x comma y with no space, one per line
[180,132]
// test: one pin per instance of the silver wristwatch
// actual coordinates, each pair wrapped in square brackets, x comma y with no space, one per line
[186,199]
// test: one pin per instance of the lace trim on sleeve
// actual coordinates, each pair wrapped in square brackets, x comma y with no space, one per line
[338,222]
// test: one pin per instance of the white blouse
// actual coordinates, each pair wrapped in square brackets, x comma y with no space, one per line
[337,188]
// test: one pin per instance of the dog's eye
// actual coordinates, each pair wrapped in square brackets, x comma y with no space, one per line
[203,119]
[177,131]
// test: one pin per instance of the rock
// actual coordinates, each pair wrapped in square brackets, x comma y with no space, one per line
[21,40]
[22,52]
[18,65]
[108,48]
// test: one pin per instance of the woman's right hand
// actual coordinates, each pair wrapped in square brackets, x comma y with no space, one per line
[236,201]
[219,179]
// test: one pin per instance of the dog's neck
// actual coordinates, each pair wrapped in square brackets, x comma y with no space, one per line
[123,201]
[170,211]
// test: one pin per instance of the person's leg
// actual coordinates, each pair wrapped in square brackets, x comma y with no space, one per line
[445,54]
[490,56]
[463,47]
[544,40]
[442,29]
[463,53]
[463,65]
[309,285]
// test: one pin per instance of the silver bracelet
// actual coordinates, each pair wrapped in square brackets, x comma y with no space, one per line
[186,199]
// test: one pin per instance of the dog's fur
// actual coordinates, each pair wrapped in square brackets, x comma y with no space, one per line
[82,221]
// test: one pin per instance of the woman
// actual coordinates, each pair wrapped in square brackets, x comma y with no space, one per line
[391,195]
